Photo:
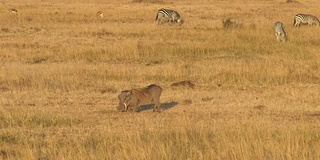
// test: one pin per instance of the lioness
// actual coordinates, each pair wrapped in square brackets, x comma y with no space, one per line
[131,100]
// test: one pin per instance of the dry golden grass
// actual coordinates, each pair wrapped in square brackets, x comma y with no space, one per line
[62,68]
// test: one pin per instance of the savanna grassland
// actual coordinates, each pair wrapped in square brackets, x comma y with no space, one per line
[62,68]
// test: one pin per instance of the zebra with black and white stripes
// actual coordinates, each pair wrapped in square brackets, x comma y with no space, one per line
[308,19]
[280,32]
[168,15]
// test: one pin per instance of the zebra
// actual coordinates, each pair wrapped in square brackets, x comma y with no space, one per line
[168,15]
[280,32]
[305,19]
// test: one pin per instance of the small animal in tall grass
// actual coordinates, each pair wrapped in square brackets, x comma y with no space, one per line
[99,14]
[14,11]
[131,100]
[187,84]
[280,32]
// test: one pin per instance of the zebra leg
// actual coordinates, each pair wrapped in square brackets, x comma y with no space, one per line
[173,20]
[310,22]
[277,36]
[160,20]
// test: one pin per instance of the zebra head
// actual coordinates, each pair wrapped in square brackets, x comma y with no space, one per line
[180,21]
[283,38]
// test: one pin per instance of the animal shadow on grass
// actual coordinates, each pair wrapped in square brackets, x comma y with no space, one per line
[163,106]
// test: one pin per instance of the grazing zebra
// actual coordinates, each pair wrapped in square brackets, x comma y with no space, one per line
[168,15]
[280,32]
[99,14]
[305,19]
[14,11]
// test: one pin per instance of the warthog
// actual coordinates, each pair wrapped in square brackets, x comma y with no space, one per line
[131,100]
